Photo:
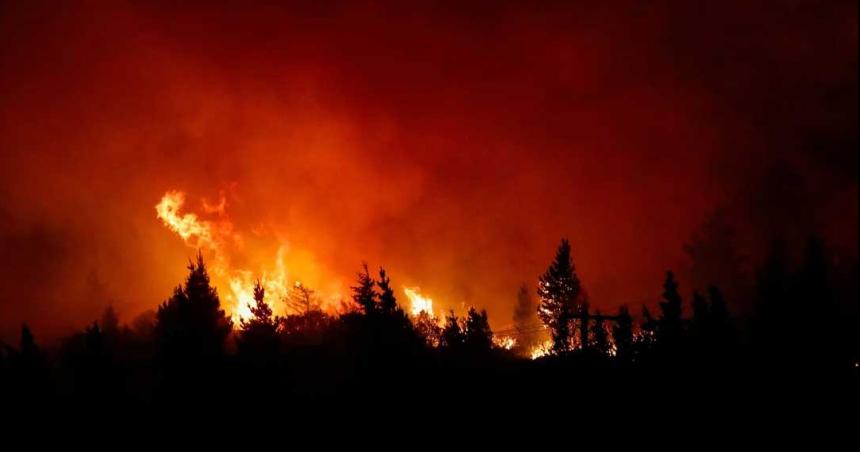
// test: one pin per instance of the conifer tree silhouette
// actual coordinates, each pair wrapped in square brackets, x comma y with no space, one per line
[191,325]
[558,290]
[258,334]
[622,334]
[363,293]
[109,321]
[721,323]
[452,336]
[648,332]
[478,335]
[670,326]
[387,301]
[701,326]
[599,336]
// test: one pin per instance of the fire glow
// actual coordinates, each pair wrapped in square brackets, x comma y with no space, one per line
[418,303]
[216,237]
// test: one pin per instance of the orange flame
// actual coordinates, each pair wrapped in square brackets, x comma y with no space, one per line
[504,342]
[215,237]
[418,303]
[542,349]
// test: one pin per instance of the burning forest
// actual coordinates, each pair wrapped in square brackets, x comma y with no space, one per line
[561,207]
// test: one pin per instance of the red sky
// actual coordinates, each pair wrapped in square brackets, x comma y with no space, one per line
[455,144]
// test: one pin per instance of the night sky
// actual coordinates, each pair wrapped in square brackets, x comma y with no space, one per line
[455,144]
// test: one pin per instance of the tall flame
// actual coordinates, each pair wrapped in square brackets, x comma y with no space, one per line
[417,302]
[215,236]
[192,230]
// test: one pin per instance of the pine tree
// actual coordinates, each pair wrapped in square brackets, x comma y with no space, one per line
[701,328]
[775,305]
[479,336]
[387,301]
[714,255]
[670,327]
[599,337]
[700,309]
[109,321]
[584,318]
[191,324]
[28,341]
[258,334]
[648,331]
[558,290]
[622,334]
[813,290]
[721,328]
[30,377]
[363,293]
[452,336]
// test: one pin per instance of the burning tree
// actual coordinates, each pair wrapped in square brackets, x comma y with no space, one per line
[599,336]
[427,327]
[558,290]
[302,299]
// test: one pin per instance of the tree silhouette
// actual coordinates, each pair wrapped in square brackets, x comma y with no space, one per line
[387,301]
[452,336]
[813,291]
[478,335]
[29,351]
[701,319]
[363,293]
[622,334]
[558,289]
[109,321]
[428,328]
[305,329]
[599,336]
[258,334]
[775,307]
[670,327]
[714,256]
[584,318]
[191,324]
[647,332]
[30,378]
[720,326]
[301,299]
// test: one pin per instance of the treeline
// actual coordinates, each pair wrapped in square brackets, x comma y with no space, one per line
[190,352]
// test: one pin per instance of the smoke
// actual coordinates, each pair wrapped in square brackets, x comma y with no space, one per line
[455,145]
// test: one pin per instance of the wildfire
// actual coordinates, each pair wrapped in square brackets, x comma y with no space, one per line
[216,236]
[541,349]
[505,342]
[192,230]
[417,302]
